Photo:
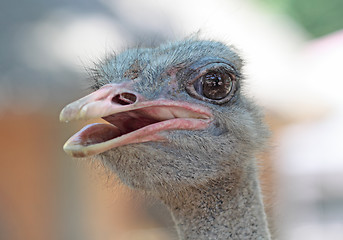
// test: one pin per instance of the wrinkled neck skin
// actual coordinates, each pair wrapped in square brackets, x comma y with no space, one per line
[219,210]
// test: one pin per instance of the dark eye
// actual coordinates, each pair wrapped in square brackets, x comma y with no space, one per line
[215,82]
[214,85]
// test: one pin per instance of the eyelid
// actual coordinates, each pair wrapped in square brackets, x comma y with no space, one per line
[206,68]
[214,66]
[212,60]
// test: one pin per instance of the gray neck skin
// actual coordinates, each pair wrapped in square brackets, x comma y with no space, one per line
[219,211]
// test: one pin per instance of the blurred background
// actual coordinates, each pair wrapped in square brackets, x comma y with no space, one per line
[293,51]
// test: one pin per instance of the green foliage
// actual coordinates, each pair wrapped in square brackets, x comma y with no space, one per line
[318,17]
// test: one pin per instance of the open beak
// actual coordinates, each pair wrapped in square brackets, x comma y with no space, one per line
[131,119]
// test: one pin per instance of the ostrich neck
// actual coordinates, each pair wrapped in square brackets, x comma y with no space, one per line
[219,210]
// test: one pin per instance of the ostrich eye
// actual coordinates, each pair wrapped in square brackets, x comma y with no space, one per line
[214,85]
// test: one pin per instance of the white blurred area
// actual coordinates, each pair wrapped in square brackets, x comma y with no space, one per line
[297,80]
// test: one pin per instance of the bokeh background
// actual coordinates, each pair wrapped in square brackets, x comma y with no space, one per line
[293,51]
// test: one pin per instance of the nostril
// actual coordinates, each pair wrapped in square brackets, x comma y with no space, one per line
[124,98]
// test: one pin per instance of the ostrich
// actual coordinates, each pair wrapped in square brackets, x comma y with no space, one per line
[180,129]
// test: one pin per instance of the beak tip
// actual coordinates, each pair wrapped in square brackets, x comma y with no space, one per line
[65,115]
[66,148]
[63,119]
[74,151]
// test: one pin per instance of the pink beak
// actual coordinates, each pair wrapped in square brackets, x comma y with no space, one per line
[132,119]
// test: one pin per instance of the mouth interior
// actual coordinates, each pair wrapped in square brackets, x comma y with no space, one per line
[148,118]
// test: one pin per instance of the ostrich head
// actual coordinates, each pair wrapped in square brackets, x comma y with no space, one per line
[176,116]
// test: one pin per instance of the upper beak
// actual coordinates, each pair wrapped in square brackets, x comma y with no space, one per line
[110,99]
